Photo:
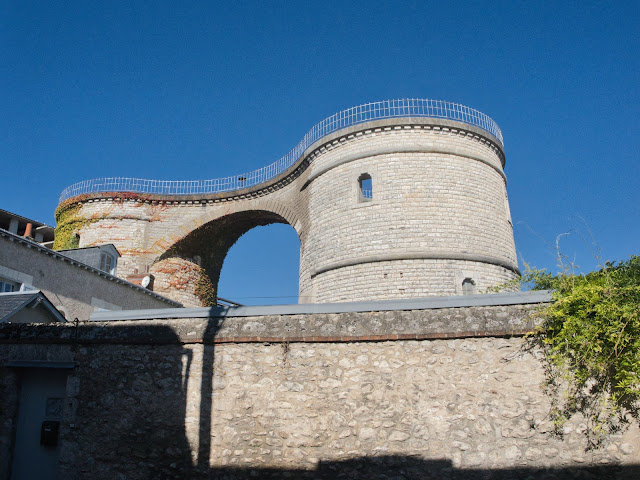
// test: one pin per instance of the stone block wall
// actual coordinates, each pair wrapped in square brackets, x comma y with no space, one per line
[444,393]
[439,214]
[436,194]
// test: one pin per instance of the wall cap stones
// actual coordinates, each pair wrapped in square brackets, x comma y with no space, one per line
[445,321]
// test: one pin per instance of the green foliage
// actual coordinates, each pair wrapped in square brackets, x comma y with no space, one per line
[590,337]
[193,245]
[68,224]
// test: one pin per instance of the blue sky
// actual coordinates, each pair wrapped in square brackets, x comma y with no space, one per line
[187,90]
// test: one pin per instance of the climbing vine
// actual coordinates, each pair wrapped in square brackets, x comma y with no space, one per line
[202,248]
[205,289]
[68,224]
[590,340]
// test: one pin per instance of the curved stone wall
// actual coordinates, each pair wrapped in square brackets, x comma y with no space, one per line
[437,217]
[437,214]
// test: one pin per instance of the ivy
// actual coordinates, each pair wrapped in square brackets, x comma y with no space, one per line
[205,250]
[590,339]
[205,290]
[68,224]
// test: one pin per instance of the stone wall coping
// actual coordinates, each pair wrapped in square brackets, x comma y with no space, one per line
[444,323]
[427,303]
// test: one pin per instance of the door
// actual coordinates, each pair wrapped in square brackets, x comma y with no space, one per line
[37,450]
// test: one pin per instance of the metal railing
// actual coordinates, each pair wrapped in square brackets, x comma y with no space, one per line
[408,107]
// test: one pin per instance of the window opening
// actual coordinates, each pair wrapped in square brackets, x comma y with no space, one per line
[468,286]
[506,207]
[366,187]
[107,263]
[8,286]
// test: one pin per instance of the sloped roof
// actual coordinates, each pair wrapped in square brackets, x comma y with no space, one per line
[103,246]
[46,230]
[27,242]
[13,302]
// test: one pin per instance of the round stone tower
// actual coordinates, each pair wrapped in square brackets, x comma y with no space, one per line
[390,200]
[405,208]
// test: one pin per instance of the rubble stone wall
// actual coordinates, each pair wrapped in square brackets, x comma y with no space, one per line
[447,393]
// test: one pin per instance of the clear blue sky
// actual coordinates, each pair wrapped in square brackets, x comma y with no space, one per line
[186,90]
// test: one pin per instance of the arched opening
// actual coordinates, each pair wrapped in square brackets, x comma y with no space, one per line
[189,271]
[262,267]
[365,188]
[468,286]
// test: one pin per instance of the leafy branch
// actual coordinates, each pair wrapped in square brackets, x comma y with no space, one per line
[590,338]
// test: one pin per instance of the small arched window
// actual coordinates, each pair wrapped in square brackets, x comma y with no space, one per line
[468,286]
[365,186]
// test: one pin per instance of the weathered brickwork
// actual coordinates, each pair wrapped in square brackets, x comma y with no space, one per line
[190,398]
[439,198]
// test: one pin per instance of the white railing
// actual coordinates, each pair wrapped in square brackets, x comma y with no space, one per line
[408,107]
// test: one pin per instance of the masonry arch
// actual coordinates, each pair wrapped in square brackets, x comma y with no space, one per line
[262,267]
[189,270]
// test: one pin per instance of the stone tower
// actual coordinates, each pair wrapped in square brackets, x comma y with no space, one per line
[395,199]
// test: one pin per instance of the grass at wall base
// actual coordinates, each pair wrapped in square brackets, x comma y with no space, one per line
[590,340]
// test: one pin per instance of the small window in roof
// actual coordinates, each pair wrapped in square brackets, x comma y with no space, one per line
[107,263]
[8,286]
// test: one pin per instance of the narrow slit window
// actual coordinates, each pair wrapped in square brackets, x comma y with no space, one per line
[366,187]
[506,207]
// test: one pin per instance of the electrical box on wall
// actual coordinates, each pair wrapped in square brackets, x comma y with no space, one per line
[49,433]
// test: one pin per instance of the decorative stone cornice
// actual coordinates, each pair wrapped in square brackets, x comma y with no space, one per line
[390,257]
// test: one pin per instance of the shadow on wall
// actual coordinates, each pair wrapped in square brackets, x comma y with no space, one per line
[136,404]
[411,468]
[132,398]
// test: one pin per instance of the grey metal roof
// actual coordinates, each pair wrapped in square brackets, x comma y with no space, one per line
[509,298]
[12,302]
